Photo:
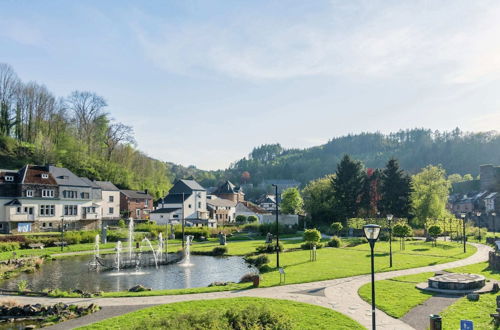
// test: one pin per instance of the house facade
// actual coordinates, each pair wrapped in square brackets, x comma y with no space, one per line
[221,210]
[135,204]
[110,202]
[230,192]
[40,198]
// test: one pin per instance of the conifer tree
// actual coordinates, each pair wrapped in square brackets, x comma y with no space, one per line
[395,191]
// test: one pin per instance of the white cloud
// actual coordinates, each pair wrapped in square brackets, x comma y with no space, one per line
[453,41]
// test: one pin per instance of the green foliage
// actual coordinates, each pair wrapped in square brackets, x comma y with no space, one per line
[348,184]
[395,191]
[435,231]
[22,285]
[258,261]
[121,223]
[401,230]
[430,194]
[9,246]
[336,227]
[291,201]
[312,236]
[271,228]
[241,218]
[318,200]
[310,245]
[219,250]
[252,219]
[197,232]
[335,242]
[269,248]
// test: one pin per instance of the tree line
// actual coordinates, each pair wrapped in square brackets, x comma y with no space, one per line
[75,132]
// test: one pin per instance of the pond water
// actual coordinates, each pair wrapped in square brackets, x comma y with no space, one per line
[73,273]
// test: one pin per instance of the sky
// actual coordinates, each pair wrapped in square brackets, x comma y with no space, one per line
[204,82]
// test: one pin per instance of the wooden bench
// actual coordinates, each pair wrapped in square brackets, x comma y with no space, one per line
[36,245]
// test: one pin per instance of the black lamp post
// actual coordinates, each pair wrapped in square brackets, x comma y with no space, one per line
[478,214]
[463,221]
[62,233]
[389,220]
[371,233]
[277,227]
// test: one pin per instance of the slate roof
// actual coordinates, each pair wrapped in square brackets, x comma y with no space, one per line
[226,188]
[106,186]
[251,207]
[186,187]
[13,202]
[65,177]
[90,183]
[33,174]
[136,194]
[221,202]
[173,199]
[166,210]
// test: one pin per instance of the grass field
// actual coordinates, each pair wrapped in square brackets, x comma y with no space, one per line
[303,316]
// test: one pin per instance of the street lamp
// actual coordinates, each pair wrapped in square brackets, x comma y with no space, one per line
[62,233]
[371,233]
[463,220]
[277,227]
[478,214]
[389,220]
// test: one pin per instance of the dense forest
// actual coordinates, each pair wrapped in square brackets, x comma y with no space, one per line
[457,152]
[75,132]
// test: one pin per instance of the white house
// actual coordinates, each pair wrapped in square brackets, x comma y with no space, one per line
[110,202]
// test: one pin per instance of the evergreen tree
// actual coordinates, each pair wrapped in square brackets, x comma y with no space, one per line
[395,191]
[348,188]
[371,192]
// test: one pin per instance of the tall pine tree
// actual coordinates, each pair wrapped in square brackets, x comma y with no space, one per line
[395,191]
[348,186]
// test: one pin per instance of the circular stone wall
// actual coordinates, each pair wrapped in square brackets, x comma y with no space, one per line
[455,281]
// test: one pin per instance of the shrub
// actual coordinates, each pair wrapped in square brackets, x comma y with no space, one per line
[269,248]
[258,261]
[357,241]
[265,268]
[252,218]
[309,245]
[219,250]
[335,242]
[312,236]
[241,218]
[117,235]
[271,228]
[336,227]
[121,223]
[13,238]
[9,246]
[251,227]
[197,232]
[402,230]
[249,277]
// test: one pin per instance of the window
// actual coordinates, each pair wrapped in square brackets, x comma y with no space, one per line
[1,225]
[189,205]
[48,193]
[138,213]
[45,176]
[18,210]
[175,216]
[111,210]
[85,195]
[9,178]
[111,199]
[199,205]
[146,204]
[50,224]
[90,209]
[47,210]
[44,224]
[30,193]
[70,194]
[70,210]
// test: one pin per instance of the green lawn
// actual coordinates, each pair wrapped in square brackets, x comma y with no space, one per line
[476,311]
[397,296]
[303,316]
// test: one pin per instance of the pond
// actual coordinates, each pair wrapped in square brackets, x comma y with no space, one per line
[73,273]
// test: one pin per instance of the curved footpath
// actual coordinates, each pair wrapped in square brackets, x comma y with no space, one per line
[340,294]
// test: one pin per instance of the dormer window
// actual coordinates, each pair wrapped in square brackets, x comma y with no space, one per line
[9,178]
[45,176]
[47,193]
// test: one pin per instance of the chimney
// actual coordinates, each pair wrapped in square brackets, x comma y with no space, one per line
[146,191]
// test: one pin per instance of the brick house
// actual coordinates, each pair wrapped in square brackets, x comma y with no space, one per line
[135,204]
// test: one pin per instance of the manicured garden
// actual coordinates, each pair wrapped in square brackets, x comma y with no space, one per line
[399,295]
[253,313]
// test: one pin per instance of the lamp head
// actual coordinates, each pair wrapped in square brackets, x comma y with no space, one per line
[371,233]
[478,213]
[389,217]
[462,215]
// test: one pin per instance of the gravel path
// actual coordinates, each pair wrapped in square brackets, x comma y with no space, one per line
[418,317]
[339,294]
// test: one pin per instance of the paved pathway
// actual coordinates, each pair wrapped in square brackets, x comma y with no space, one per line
[418,317]
[339,294]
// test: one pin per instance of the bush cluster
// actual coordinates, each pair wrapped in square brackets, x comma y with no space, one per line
[258,261]
[9,246]
[269,248]
[271,228]
[335,242]
[219,250]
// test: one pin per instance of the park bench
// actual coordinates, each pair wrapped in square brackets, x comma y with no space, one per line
[60,243]
[36,245]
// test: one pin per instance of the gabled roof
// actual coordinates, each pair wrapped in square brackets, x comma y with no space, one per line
[90,183]
[136,194]
[33,174]
[186,187]
[221,202]
[65,177]
[492,195]
[166,210]
[267,199]
[226,188]
[14,202]
[251,207]
[106,186]
[174,199]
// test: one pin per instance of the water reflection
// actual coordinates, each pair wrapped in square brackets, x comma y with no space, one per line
[73,273]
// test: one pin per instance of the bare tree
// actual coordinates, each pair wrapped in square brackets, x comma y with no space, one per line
[87,109]
[117,133]
[8,86]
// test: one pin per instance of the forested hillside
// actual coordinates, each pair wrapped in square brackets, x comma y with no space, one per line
[76,132]
[456,151]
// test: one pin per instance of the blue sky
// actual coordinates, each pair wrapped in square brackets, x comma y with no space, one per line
[203,82]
